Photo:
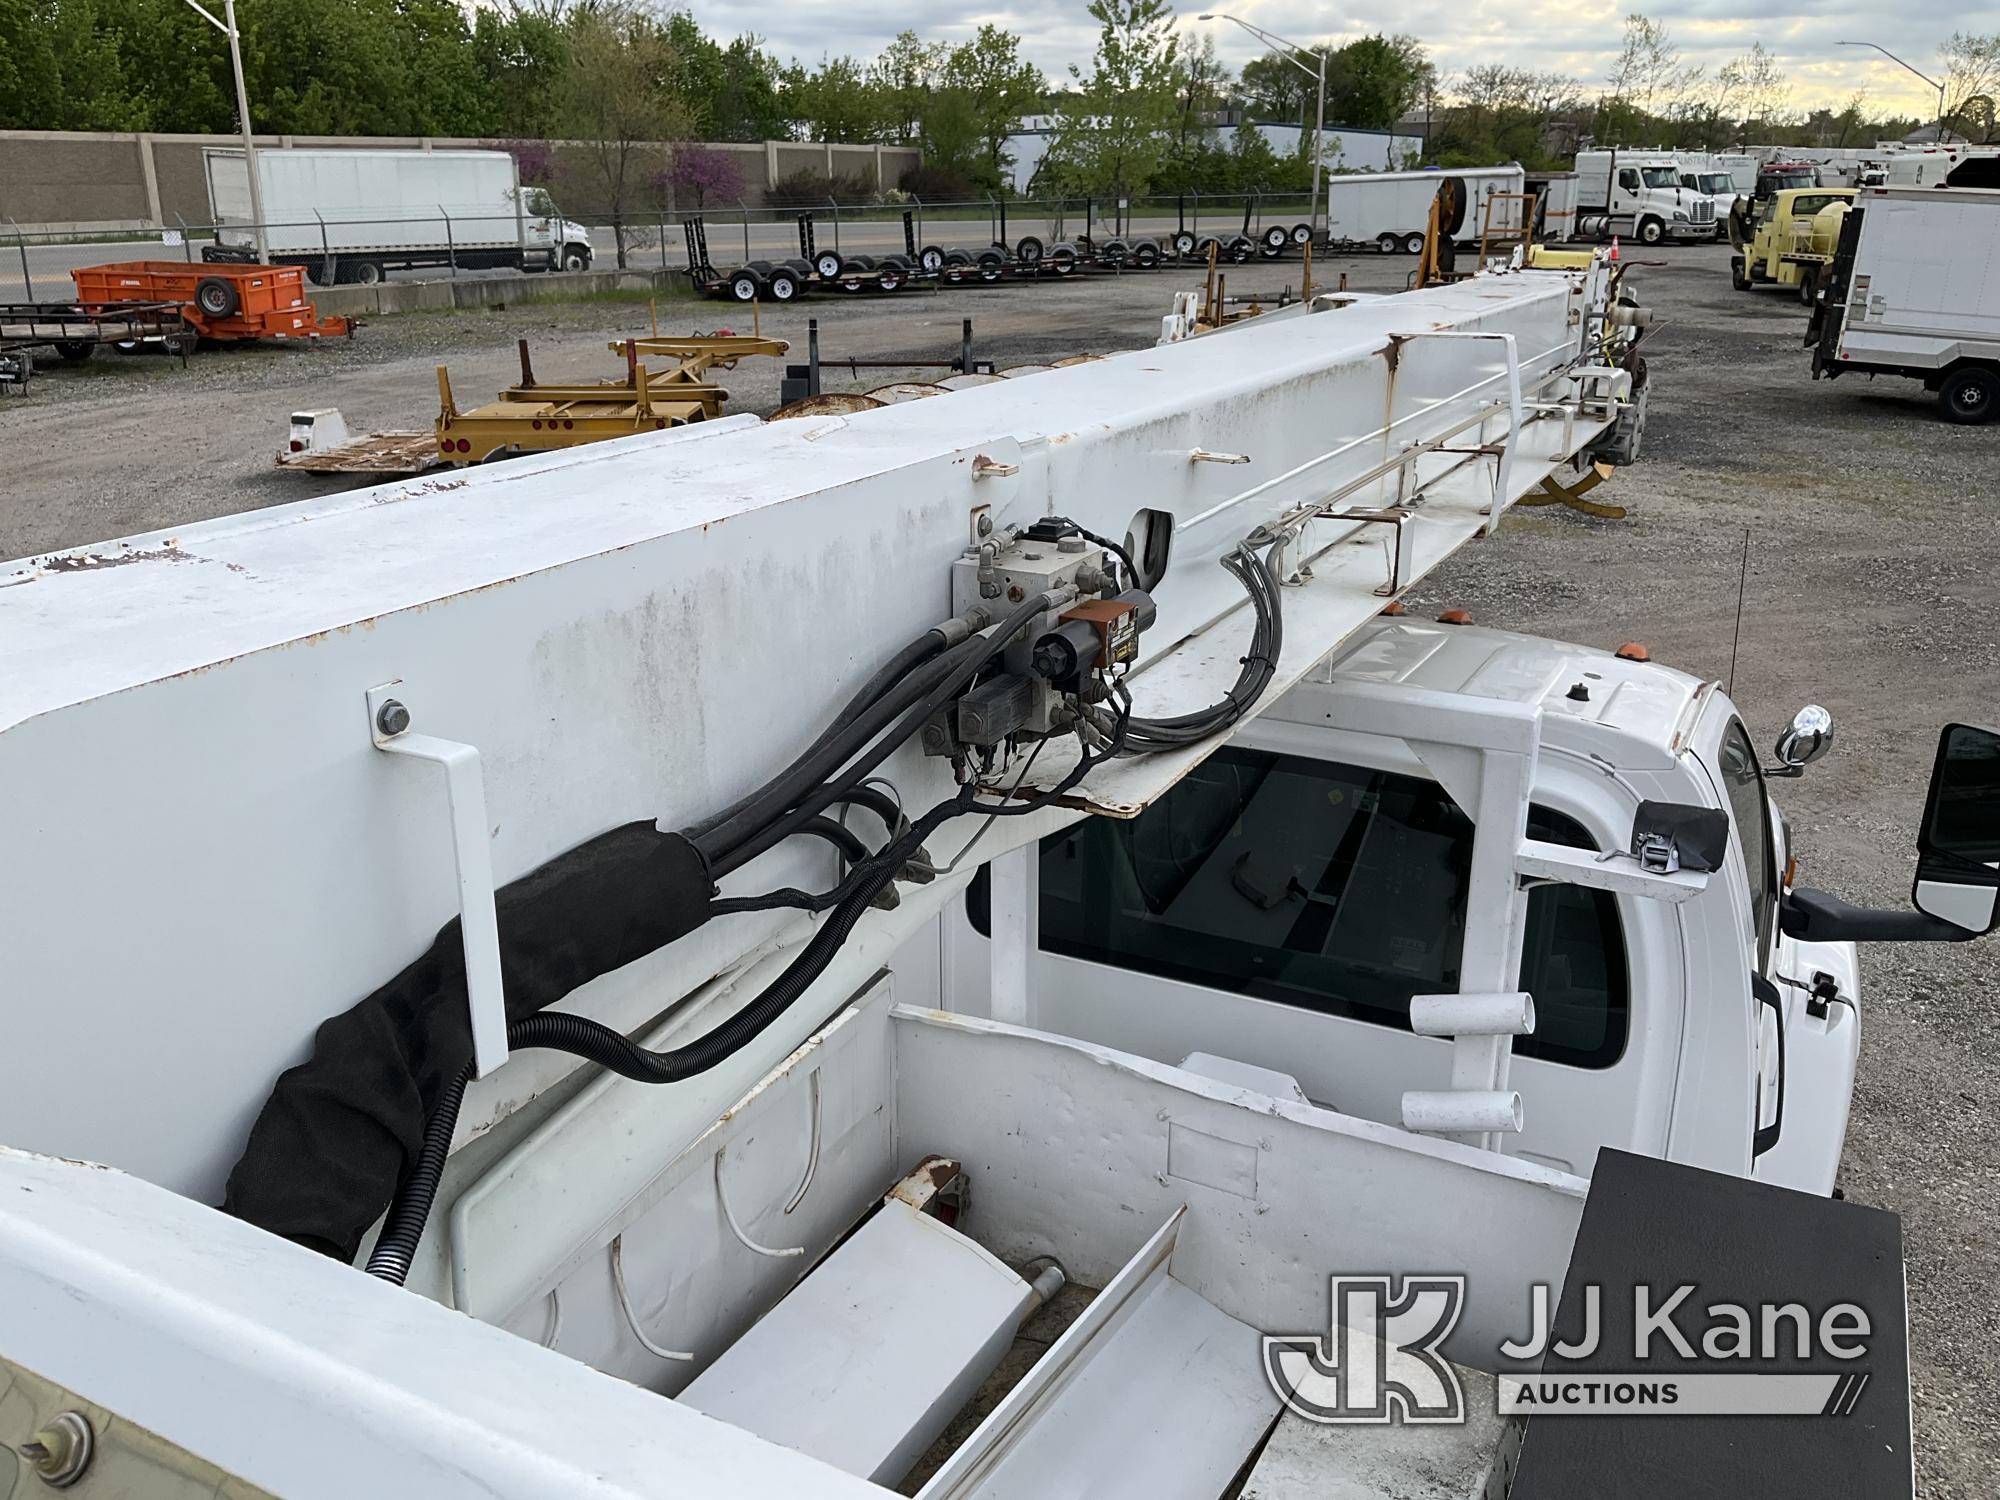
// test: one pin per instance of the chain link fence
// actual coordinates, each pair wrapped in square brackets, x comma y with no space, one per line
[346,251]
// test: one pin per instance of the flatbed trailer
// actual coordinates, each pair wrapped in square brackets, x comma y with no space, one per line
[75,332]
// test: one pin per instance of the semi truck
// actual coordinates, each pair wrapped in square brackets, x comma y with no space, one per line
[1913,289]
[1391,210]
[352,216]
[895,870]
[1638,194]
[1712,178]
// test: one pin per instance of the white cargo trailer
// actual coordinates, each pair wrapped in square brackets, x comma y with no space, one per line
[1914,290]
[351,215]
[1391,210]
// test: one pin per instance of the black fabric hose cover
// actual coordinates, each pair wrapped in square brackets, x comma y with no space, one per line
[341,1129]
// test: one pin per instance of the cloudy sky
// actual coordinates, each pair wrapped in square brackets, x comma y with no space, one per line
[1580,37]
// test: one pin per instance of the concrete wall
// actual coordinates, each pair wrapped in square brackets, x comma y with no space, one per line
[55,180]
[488,291]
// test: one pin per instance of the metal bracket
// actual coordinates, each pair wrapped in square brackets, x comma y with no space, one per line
[1203,456]
[1397,520]
[472,851]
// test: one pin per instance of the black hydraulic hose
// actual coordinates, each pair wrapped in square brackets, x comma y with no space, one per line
[1260,665]
[875,800]
[720,843]
[733,847]
[402,1228]
[598,1043]
[846,840]
[912,656]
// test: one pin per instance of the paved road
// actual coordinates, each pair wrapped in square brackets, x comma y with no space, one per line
[45,276]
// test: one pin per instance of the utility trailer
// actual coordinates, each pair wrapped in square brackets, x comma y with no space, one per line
[75,332]
[223,302]
[858,1104]
[1913,289]
[1390,210]
[816,268]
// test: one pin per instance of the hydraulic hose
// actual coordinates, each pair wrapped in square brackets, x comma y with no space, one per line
[403,1227]
[912,656]
[1260,664]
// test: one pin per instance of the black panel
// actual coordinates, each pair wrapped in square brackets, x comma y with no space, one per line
[1661,1224]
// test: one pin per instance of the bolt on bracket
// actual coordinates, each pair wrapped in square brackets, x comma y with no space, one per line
[472,852]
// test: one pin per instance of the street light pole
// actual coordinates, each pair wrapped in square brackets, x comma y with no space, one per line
[1285,49]
[1907,68]
[229,30]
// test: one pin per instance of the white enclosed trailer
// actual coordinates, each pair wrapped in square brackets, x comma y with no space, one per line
[1914,290]
[916,1115]
[1391,210]
[348,215]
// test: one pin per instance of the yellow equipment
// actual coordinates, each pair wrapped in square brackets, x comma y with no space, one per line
[1786,240]
[534,418]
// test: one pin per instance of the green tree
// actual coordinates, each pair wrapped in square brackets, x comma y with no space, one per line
[902,80]
[997,87]
[1274,88]
[1372,82]
[1971,80]
[1112,133]
[835,103]
[617,105]
[750,105]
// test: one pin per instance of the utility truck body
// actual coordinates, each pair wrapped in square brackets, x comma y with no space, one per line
[1155,938]
[350,215]
[1914,290]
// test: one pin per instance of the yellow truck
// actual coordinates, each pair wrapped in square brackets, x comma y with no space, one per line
[1786,239]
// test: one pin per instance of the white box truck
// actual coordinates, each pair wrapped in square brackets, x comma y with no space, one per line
[351,215]
[1639,194]
[1391,210]
[1914,290]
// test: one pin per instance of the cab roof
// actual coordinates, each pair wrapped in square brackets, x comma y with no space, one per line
[1635,714]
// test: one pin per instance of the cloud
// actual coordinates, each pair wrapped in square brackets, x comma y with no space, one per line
[1581,39]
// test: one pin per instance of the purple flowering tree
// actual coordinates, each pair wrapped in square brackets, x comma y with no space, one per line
[701,172]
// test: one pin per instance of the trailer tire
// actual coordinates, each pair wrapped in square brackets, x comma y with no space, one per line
[1029,251]
[1062,260]
[992,265]
[218,299]
[1146,255]
[1239,248]
[1651,231]
[1970,394]
[1452,201]
[782,284]
[827,263]
[1275,239]
[1388,242]
[744,285]
[1413,244]
[1302,234]
[1271,252]
[1739,277]
[931,258]
[1113,252]
[1184,243]
[75,351]
[957,257]
[890,278]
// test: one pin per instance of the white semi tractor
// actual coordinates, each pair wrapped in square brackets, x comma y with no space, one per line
[1640,195]
[897,869]
[352,215]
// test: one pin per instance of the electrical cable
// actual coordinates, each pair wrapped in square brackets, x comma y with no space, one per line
[1260,664]
[403,1226]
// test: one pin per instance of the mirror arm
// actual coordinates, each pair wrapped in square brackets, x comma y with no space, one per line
[1783,770]
[1817,917]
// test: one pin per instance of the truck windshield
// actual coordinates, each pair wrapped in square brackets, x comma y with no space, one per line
[1660,176]
[1717,182]
[1336,888]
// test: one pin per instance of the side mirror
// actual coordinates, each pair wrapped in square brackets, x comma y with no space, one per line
[1805,740]
[1958,846]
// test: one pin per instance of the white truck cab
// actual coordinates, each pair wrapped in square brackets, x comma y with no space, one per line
[1281,906]
[1709,177]
[1639,193]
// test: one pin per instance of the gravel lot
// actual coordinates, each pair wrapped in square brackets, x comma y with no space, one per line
[1871,589]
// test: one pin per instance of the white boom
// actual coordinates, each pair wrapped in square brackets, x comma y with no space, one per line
[206,851]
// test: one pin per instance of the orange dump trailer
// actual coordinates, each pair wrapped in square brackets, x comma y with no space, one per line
[219,300]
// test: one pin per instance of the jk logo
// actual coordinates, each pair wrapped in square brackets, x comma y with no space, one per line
[1378,1361]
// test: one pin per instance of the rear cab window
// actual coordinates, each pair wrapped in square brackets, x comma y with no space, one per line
[1336,888]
